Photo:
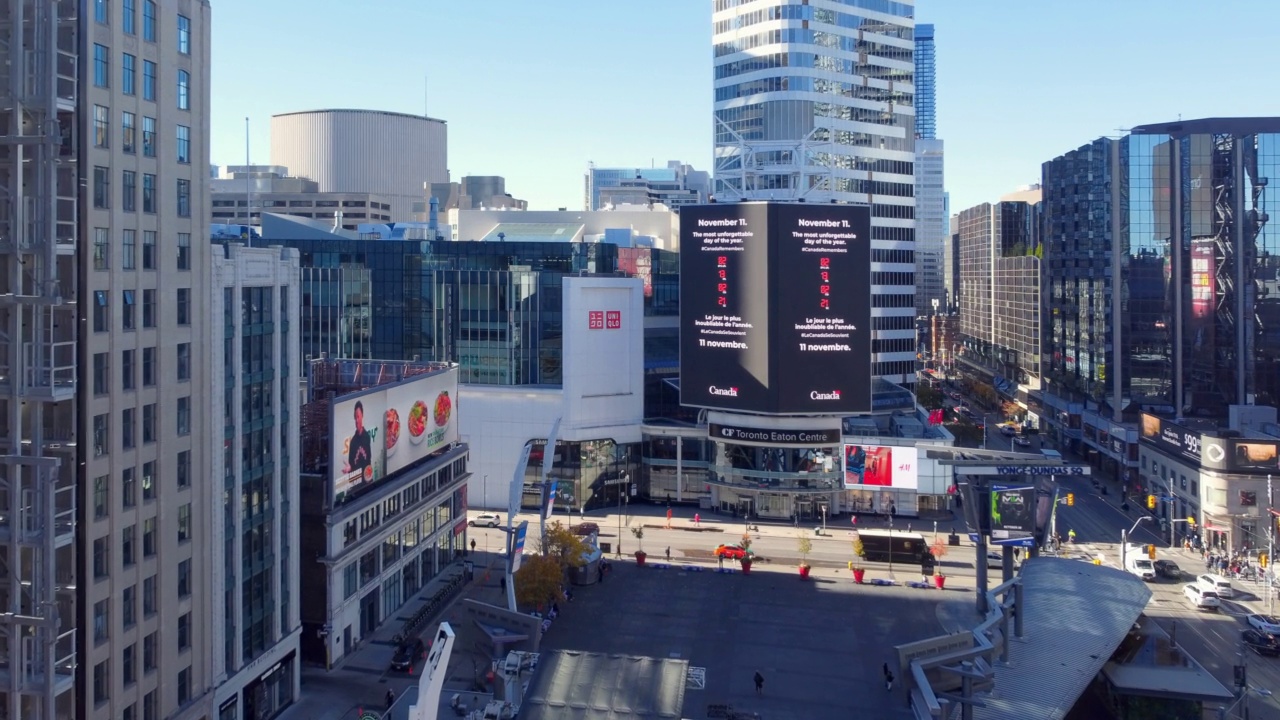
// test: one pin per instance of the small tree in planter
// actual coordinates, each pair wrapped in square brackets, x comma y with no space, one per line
[805,546]
[747,558]
[860,552]
[638,532]
[937,550]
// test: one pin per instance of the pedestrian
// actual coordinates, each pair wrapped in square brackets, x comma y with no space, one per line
[668,553]
[888,678]
[697,519]
[668,517]
[600,570]
[391,698]
[473,544]
[759,683]
[720,560]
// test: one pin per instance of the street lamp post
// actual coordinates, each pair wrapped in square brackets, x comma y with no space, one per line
[891,546]
[1124,542]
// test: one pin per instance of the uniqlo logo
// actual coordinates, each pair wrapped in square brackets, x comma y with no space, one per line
[613,320]
[595,320]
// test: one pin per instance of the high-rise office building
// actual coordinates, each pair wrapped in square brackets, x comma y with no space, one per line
[932,228]
[252,504]
[674,185]
[926,78]
[817,104]
[143,606]
[1160,276]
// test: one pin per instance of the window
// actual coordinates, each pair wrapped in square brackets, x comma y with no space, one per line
[151,706]
[130,713]
[127,313]
[148,193]
[101,497]
[128,423]
[184,251]
[128,546]
[127,661]
[148,136]
[101,248]
[184,144]
[149,424]
[101,374]
[129,606]
[148,308]
[350,581]
[129,16]
[129,238]
[184,523]
[149,479]
[101,620]
[101,435]
[149,601]
[101,558]
[128,74]
[148,359]
[128,488]
[184,90]
[184,198]
[184,679]
[149,537]
[148,259]
[128,132]
[101,126]
[129,191]
[101,66]
[149,20]
[101,312]
[102,682]
[184,578]
[184,361]
[101,11]
[184,469]
[148,80]
[184,632]
[184,34]
[101,187]
[184,306]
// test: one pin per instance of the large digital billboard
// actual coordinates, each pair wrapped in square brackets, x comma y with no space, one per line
[775,307]
[380,431]
[881,466]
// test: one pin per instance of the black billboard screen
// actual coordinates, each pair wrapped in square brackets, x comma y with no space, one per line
[775,307]
[822,307]
[724,306]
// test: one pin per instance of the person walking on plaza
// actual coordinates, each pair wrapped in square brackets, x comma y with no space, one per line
[697,519]
[759,683]
[888,678]
[668,517]
[668,553]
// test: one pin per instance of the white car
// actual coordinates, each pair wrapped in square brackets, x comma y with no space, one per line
[1143,568]
[1268,624]
[492,520]
[1021,441]
[1200,598]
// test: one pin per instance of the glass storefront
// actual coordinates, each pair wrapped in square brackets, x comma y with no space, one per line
[587,475]
[271,693]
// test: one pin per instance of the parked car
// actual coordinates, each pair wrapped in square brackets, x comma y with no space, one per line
[1218,584]
[1021,441]
[586,529]
[1008,430]
[1201,598]
[1260,642]
[492,520]
[408,653]
[732,552]
[1168,569]
[995,561]
[1268,624]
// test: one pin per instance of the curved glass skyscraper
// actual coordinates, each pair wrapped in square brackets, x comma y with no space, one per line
[816,103]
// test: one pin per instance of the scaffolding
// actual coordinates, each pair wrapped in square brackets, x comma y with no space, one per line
[39,184]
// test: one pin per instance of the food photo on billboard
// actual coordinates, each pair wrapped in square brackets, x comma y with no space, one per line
[359,454]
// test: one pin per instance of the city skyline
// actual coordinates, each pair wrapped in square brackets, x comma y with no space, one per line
[1008,99]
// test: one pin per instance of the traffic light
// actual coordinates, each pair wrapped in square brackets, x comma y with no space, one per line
[1071,499]
[1151,502]
[1151,551]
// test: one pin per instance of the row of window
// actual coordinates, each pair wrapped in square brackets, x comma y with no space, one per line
[129,130]
[128,423]
[129,250]
[129,21]
[128,76]
[129,367]
[128,670]
[370,519]
[102,309]
[129,192]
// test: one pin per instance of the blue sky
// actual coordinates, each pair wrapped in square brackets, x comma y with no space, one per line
[534,89]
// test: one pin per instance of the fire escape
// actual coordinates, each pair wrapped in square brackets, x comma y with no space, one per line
[39,182]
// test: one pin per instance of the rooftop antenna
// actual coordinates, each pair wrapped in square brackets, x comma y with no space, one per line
[425,96]
[248,186]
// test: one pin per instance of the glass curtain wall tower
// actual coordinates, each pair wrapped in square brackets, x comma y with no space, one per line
[817,104]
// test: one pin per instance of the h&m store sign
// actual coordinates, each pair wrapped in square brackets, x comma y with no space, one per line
[604,320]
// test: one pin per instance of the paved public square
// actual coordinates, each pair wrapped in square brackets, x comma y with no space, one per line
[820,644]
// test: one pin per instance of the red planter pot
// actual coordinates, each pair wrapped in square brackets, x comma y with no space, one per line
[640,559]
[939,581]
[746,567]
[804,572]
[858,574]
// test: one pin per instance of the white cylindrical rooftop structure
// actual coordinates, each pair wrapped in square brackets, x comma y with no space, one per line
[363,151]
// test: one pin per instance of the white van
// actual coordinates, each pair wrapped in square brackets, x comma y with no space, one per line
[1218,584]
[1142,567]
